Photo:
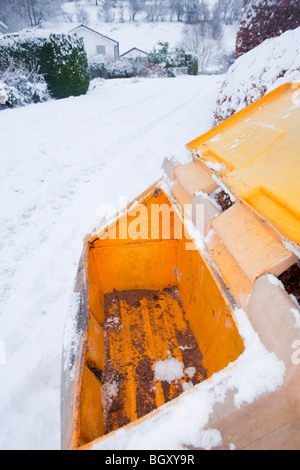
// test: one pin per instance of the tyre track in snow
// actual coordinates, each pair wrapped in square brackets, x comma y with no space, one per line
[76,108]
[186,102]
[131,104]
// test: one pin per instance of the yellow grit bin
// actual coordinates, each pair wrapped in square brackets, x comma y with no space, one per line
[160,283]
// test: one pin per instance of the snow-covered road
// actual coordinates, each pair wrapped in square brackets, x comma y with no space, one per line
[60,161]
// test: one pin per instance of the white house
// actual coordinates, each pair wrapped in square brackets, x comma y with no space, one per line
[3,27]
[96,43]
[135,53]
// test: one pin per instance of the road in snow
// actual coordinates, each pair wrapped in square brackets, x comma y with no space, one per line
[60,161]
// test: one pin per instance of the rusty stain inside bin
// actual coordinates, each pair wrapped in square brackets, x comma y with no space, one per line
[140,329]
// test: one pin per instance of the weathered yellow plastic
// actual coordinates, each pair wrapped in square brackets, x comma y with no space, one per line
[256,154]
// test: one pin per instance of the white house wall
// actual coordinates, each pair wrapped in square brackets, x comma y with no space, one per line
[92,40]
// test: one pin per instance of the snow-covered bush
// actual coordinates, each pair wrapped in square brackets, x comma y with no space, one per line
[121,69]
[61,60]
[166,57]
[19,86]
[192,63]
[102,67]
[268,66]
[173,58]
[162,62]
[140,67]
[3,93]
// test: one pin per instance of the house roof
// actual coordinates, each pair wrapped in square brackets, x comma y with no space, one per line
[134,49]
[92,31]
[2,25]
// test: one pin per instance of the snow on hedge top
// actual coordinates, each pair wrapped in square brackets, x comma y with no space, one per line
[32,35]
[268,66]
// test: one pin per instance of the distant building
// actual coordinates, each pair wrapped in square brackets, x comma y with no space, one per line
[3,28]
[96,43]
[135,53]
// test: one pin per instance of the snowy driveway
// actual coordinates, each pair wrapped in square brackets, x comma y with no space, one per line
[59,161]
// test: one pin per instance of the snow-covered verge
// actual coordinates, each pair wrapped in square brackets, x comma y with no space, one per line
[273,63]
[20,82]
[60,161]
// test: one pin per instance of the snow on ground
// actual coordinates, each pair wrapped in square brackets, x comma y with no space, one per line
[140,34]
[59,162]
[169,370]
[143,35]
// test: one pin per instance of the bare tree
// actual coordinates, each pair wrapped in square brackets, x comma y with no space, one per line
[22,13]
[10,15]
[82,14]
[208,49]
[229,11]
[198,39]
[134,8]
[177,9]
[40,10]
[152,10]
[108,14]
[163,9]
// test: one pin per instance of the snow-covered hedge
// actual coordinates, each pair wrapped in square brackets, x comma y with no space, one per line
[64,64]
[102,67]
[162,62]
[3,94]
[266,19]
[60,59]
[268,66]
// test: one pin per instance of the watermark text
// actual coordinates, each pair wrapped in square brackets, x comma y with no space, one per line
[149,222]
[2,353]
[296,354]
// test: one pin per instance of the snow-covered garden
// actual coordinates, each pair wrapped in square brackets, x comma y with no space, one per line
[63,159]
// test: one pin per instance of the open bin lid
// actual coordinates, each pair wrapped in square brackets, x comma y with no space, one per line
[256,155]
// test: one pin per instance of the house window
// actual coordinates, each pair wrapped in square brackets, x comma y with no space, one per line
[101,50]
[116,52]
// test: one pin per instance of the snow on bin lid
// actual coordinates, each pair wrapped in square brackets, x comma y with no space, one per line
[256,154]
